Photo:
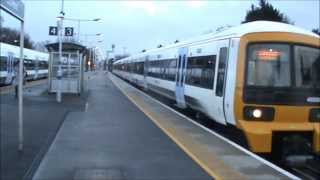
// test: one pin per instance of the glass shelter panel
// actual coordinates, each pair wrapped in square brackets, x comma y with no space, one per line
[71,72]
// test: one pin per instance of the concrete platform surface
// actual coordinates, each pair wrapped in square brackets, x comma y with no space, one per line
[113,139]
[220,157]
[42,118]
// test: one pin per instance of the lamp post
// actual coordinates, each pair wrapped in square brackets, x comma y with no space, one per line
[86,36]
[91,49]
[59,72]
[107,57]
[82,20]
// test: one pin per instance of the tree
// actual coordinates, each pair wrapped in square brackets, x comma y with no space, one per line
[265,11]
[41,46]
[12,36]
[317,31]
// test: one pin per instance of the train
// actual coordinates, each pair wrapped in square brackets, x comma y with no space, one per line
[35,63]
[261,78]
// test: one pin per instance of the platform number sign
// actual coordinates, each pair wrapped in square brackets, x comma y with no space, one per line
[68,31]
[53,31]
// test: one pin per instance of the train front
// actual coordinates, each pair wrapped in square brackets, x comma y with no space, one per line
[278,93]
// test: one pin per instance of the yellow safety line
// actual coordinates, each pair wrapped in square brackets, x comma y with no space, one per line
[185,149]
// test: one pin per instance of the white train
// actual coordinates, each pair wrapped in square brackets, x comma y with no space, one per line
[261,77]
[35,63]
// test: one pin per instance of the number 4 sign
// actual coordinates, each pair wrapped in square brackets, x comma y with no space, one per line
[53,31]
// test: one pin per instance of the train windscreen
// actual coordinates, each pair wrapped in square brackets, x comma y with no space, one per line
[283,71]
[307,67]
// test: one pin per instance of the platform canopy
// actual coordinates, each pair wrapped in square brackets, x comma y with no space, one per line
[66,46]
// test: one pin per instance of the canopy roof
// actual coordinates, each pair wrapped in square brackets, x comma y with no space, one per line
[66,46]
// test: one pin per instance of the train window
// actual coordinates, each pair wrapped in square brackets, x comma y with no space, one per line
[3,63]
[152,69]
[165,70]
[28,64]
[307,67]
[207,76]
[139,67]
[162,69]
[194,69]
[158,72]
[268,65]
[45,65]
[223,54]
[172,69]
[200,71]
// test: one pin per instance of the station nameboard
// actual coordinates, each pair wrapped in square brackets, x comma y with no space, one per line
[14,7]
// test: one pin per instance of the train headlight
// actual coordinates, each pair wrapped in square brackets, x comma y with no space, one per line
[314,115]
[252,113]
[257,113]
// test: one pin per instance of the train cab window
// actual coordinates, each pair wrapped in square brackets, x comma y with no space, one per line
[268,65]
[223,55]
[307,67]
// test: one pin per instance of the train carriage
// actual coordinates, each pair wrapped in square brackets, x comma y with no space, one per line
[261,77]
[35,63]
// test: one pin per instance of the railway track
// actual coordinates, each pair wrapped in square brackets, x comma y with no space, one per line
[307,172]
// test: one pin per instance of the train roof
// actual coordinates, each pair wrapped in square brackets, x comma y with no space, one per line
[234,32]
[28,53]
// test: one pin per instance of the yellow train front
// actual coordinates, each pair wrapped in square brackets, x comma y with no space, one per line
[277,99]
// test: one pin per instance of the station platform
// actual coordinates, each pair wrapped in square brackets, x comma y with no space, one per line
[125,134]
[113,139]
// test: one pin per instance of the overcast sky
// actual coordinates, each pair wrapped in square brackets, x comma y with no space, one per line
[137,25]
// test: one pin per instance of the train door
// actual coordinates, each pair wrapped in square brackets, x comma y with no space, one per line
[231,82]
[36,68]
[180,77]
[222,49]
[145,72]
[10,68]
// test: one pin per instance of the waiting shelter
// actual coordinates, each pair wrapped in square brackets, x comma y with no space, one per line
[71,77]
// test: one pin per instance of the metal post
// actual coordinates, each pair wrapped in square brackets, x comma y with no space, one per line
[79,30]
[20,88]
[107,61]
[94,58]
[90,59]
[59,73]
